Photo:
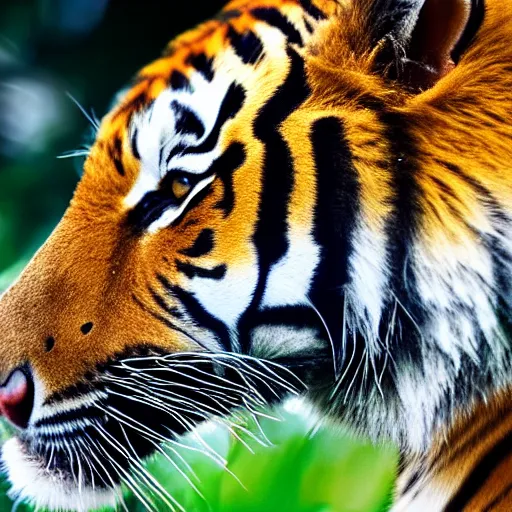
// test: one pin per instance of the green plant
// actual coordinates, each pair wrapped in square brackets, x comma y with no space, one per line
[303,468]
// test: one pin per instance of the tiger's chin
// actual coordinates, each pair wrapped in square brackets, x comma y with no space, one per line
[32,482]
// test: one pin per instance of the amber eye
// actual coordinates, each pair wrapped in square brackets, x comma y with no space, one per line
[181,186]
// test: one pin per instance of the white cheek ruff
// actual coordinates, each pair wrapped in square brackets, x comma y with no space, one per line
[289,280]
[32,483]
[229,297]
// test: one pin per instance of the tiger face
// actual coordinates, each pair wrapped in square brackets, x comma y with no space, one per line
[268,208]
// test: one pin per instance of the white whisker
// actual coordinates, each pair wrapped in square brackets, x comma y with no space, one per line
[91,118]
[151,481]
[328,332]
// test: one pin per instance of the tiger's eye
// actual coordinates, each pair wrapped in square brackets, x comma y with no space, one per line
[181,186]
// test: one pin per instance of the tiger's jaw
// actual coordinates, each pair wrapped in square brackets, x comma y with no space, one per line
[33,482]
[82,443]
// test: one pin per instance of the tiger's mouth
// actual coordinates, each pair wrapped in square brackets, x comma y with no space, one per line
[90,439]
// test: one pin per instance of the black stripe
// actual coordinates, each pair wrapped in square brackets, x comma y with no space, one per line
[450,200]
[300,317]
[69,416]
[275,18]
[445,188]
[270,235]
[498,500]
[482,191]
[198,314]
[336,211]
[148,209]
[480,474]
[247,45]
[230,106]
[501,257]
[227,203]
[308,26]
[179,81]
[163,320]
[484,431]
[133,141]
[403,225]
[312,9]
[414,480]
[203,64]
[202,245]
[159,300]
[338,198]
[137,104]
[191,271]
[187,121]
[116,154]
[232,159]
[401,230]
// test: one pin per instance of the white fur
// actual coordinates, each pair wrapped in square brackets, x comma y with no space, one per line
[368,278]
[228,297]
[424,498]
[47,411]
[63,427]
[289,281]
[273,341]
[450,281]
[31,482]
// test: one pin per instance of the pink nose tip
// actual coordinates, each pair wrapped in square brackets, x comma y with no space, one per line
[17,398]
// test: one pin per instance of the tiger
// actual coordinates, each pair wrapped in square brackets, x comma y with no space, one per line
[305,197]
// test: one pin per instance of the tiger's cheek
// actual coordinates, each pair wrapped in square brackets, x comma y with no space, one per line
[210,254]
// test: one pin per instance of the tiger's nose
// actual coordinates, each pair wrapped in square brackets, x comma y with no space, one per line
[17,398]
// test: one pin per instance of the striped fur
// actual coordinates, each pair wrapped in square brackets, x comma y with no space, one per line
[346,216]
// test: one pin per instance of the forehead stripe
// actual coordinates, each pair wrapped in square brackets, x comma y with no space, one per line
[247,46]
[274,18]
[178,81]
[202,64]
[187,121]
[312,10]
[231,104]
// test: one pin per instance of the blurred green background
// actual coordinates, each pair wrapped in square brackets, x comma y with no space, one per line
[90,49]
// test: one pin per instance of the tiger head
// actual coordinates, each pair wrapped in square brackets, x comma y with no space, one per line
[297,193]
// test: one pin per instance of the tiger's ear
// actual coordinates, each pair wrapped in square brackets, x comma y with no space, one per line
[417,42]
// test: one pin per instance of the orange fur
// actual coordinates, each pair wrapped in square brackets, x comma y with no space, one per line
[94,269]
